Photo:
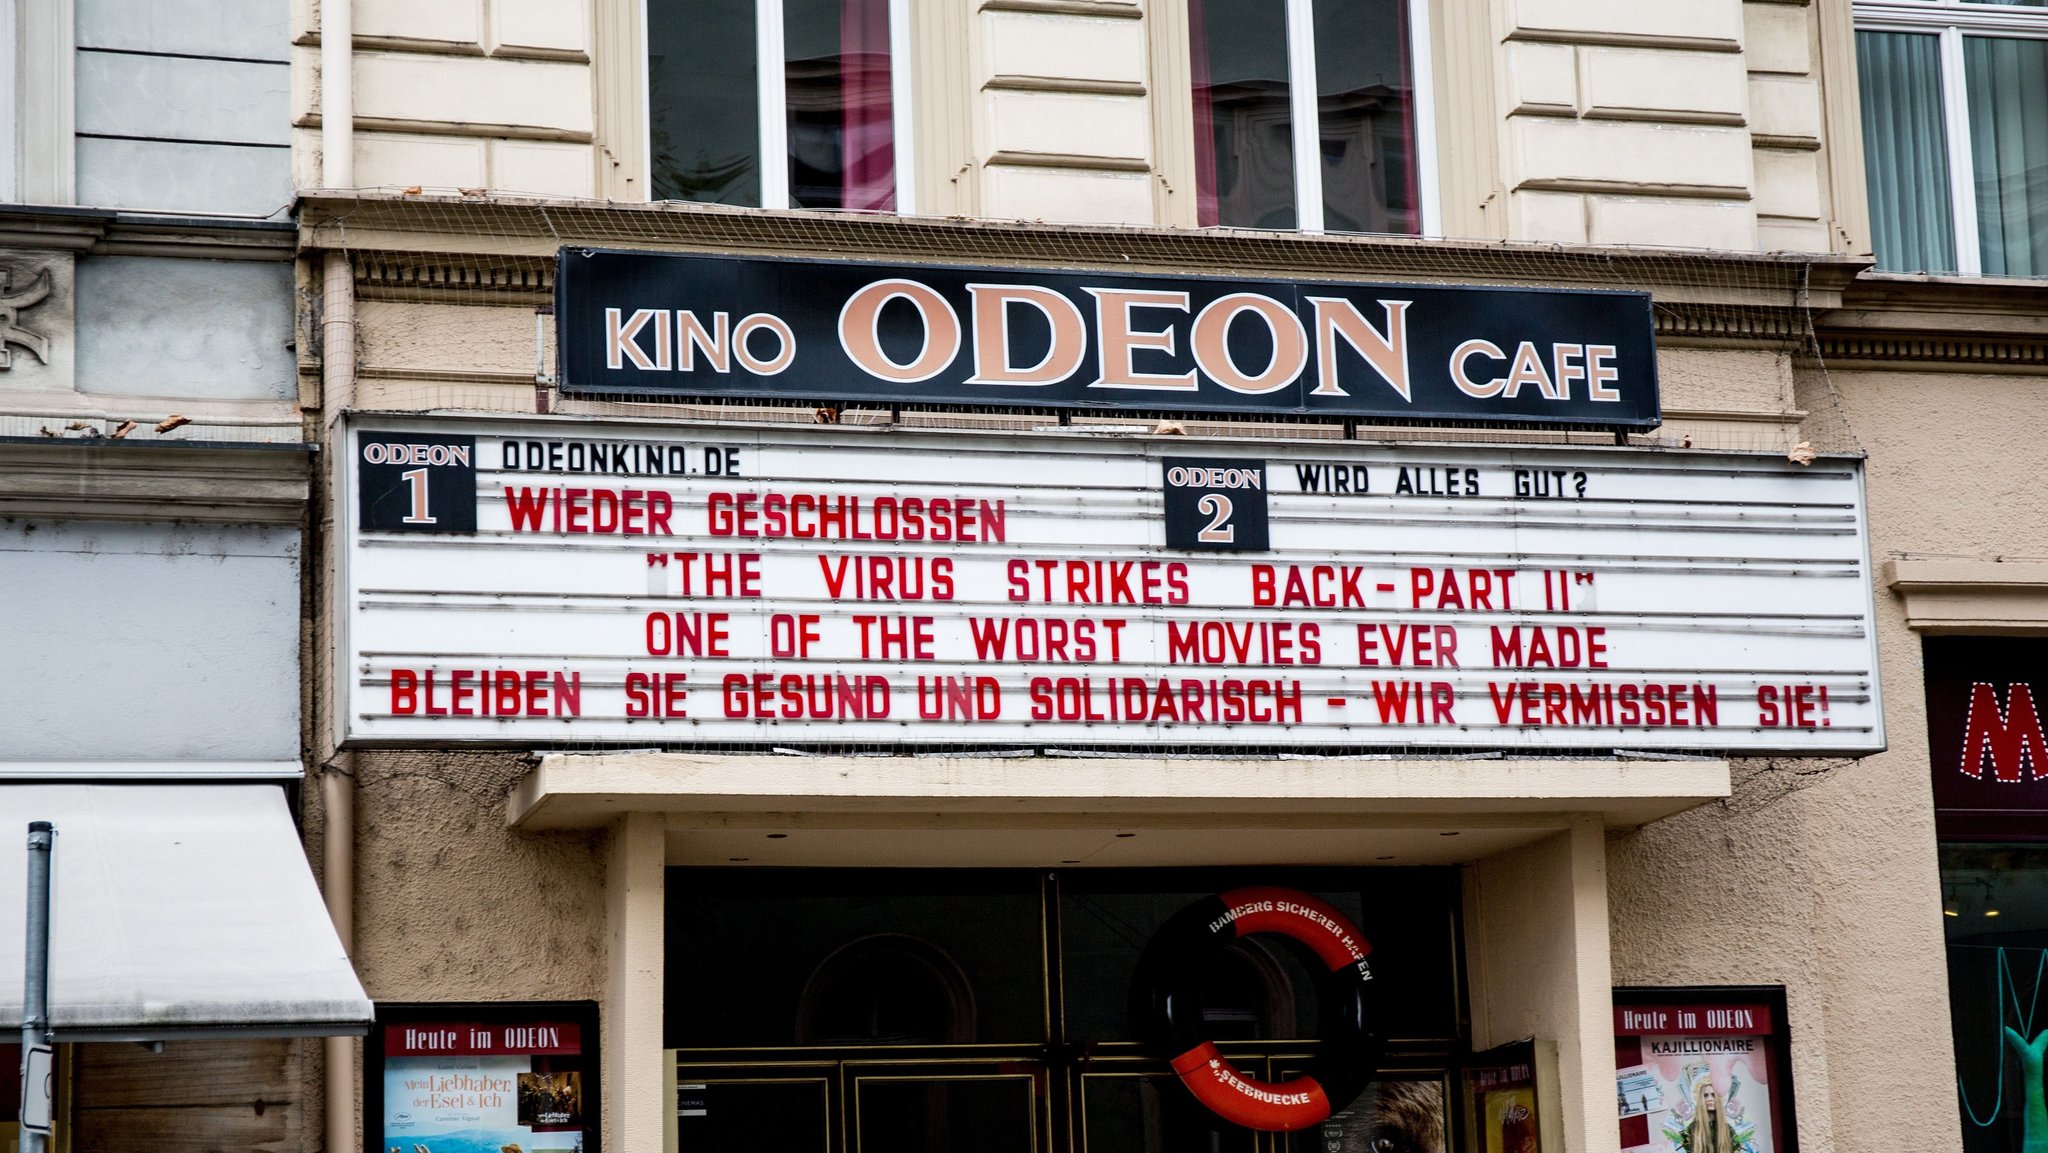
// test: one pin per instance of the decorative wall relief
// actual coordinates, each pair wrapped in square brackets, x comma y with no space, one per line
[14,301]
[38,332]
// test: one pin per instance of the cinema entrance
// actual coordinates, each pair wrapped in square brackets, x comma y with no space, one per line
[832,954]
[1003,1010]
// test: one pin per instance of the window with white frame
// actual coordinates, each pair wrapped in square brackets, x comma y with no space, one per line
[1312,114]
[780,103]
[1955,134]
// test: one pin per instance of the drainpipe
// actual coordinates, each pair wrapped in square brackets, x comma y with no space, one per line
[337,170]
[337,395]
[337,100]
[337,336]
[337,778]
[337,851]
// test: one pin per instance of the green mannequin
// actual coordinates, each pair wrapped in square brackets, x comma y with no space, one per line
[2035,1135]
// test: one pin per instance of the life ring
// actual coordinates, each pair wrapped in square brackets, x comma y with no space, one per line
[1166,1012]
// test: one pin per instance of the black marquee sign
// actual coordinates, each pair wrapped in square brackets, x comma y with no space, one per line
[416,482]
[1215,505]
[699,327]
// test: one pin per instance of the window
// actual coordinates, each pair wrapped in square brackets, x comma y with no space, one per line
[780,103]
[1309,114]
[1955,134]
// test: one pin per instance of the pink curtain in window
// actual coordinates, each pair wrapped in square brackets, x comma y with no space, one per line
[1207,213]
[1409,98]
[869,139]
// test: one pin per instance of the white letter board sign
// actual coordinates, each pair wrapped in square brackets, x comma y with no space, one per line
[533,583]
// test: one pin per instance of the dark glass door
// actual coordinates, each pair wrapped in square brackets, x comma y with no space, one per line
[988,1011]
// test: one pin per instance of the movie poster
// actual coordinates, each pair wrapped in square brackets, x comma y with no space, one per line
[1698,1078]
[1502,1087]
[484,1087]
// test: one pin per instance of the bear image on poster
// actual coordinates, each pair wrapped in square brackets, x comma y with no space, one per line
[1389,1117]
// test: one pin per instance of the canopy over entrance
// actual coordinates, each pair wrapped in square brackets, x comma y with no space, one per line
[175,911]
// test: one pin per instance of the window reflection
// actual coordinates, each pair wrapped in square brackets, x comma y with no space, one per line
[968,1115]
[888,989]
[1244,128]
[842,150]
[704,131]
[1364,120]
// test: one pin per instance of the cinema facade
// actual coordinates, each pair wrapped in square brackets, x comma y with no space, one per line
[1367,701]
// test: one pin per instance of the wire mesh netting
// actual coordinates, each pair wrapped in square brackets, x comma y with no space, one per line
[1740,363]
[455,300]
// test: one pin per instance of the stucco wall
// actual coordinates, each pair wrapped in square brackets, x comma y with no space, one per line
[1535,923]
[149,642]
[1822,876]
[182,105]
[453,905]
[231,338]
[1725,895]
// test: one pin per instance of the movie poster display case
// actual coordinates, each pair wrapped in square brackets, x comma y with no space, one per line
[1703,1070]
[482,1078]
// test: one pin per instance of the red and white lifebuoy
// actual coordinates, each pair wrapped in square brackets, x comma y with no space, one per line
[1165,1009]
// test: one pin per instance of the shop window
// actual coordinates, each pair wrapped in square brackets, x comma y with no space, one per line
[1955,134]
[1990,767]
[1995,911]
[1308,114]
[989,1112]
[779,103]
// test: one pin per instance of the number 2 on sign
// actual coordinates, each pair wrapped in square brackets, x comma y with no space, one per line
[416,480]
[1220,530]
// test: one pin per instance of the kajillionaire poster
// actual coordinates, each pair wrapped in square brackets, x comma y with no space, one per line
[1697,1078]
[476,1087]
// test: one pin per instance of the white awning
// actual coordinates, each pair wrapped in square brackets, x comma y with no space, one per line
[175,911]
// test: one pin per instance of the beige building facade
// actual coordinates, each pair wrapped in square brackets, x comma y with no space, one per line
[1709,153]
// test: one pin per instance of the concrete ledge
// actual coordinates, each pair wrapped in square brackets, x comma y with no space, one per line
[1054,812]
[1965,595]
[529,231]
[108,231]
[193,481]
[583,790]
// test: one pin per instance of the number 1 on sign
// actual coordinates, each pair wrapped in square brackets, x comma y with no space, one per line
[416,480]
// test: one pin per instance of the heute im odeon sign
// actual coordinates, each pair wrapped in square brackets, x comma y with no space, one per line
[553,583]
